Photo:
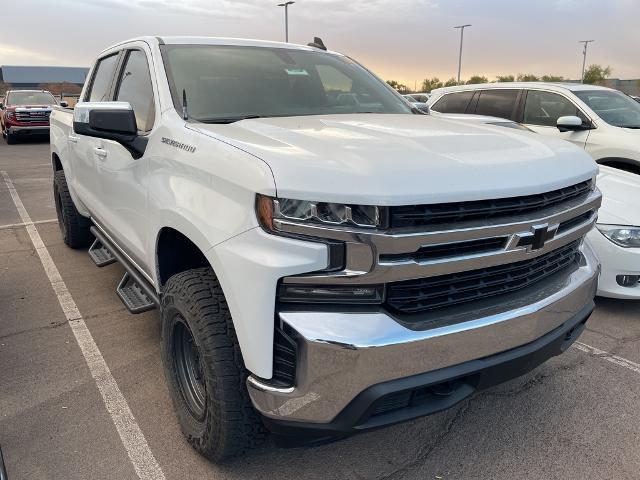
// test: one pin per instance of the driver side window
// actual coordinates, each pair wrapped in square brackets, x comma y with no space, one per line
[544,108]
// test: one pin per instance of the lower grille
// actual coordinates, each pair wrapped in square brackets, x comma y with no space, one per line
[427,294]
[284,359]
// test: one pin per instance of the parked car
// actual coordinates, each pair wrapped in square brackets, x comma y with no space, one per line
[321,269]
[603,121]
[418,101]
[616,238]
[26,112]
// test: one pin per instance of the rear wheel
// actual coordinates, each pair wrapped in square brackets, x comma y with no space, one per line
[204,367]
[74,227]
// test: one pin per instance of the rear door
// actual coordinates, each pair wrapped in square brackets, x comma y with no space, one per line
[123,179]
[541,112]
[496,102]
[83,150]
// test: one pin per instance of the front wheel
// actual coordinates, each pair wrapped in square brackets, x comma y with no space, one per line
[204,367]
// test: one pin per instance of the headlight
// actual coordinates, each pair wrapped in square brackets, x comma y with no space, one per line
[319,213]
[626,237]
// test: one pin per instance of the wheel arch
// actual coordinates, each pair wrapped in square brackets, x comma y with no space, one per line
[621,163]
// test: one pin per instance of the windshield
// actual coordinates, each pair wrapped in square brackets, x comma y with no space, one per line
[613,107]
[227,83]
[30,98]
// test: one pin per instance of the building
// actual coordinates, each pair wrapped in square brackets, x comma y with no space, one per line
[630,87]
[24,77]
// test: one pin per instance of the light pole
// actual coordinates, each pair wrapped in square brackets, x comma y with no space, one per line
[461,27]
[584,56]
[286,19]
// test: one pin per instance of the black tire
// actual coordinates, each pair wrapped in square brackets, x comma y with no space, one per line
[204,367]
[74,227]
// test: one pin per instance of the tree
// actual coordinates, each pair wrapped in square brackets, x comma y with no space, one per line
[4,86]
[505,78]
[552,78]
[452,82]
[59,88]
[429,84]
[477,79]
[527,77]
[596,74]
[400,87]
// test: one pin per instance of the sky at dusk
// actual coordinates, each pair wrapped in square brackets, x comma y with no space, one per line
[405,40]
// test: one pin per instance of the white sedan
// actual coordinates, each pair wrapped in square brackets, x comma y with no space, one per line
[616,238]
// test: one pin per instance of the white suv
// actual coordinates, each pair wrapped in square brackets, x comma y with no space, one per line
[601,120]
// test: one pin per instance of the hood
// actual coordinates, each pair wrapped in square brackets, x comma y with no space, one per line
[30,107]
[620,197]
[389,159]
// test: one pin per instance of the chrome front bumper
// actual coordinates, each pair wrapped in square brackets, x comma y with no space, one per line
[342,354]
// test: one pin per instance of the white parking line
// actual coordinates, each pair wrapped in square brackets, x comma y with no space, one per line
[623,362]
[130,433]
[18,225]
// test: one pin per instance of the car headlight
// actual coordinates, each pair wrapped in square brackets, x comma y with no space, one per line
[627,237]
[317,213]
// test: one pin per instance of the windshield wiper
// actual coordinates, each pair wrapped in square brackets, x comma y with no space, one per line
[229,119]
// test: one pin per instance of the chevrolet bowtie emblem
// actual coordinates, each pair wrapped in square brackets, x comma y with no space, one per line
[536,238]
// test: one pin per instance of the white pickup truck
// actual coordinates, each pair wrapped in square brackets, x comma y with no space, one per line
[325,259]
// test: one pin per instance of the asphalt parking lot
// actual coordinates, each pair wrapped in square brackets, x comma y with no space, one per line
[577,416]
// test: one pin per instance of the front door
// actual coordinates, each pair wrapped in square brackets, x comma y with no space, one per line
[123,189]
[542,110]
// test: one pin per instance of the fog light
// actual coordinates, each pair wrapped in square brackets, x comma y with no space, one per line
[628,280]
[331,293]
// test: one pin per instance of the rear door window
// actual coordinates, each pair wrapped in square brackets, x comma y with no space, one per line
[454,102]
[497,103]
[101,83]
[544,108]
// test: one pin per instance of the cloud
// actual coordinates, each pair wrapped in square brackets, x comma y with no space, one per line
[12,54]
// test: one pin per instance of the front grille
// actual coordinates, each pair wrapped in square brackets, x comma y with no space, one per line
[448,213]
[39,116]
[427,294]
[447,250]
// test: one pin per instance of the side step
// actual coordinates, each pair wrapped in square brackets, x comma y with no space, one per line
[135,291]
[133,295]
[3,471]
[100,254]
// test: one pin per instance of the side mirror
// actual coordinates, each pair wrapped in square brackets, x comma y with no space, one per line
[424,108]
[111,121]
[64,104]
[571,123]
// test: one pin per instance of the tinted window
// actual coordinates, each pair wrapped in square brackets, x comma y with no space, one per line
[102,79]
[496,103]
[136,88]
[453,102]
[544,108]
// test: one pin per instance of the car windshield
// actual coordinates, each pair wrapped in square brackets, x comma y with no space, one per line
[613,107]
[225,83]
[30,98]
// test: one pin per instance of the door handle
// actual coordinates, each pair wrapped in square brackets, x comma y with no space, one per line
[100,152]
[73,139]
